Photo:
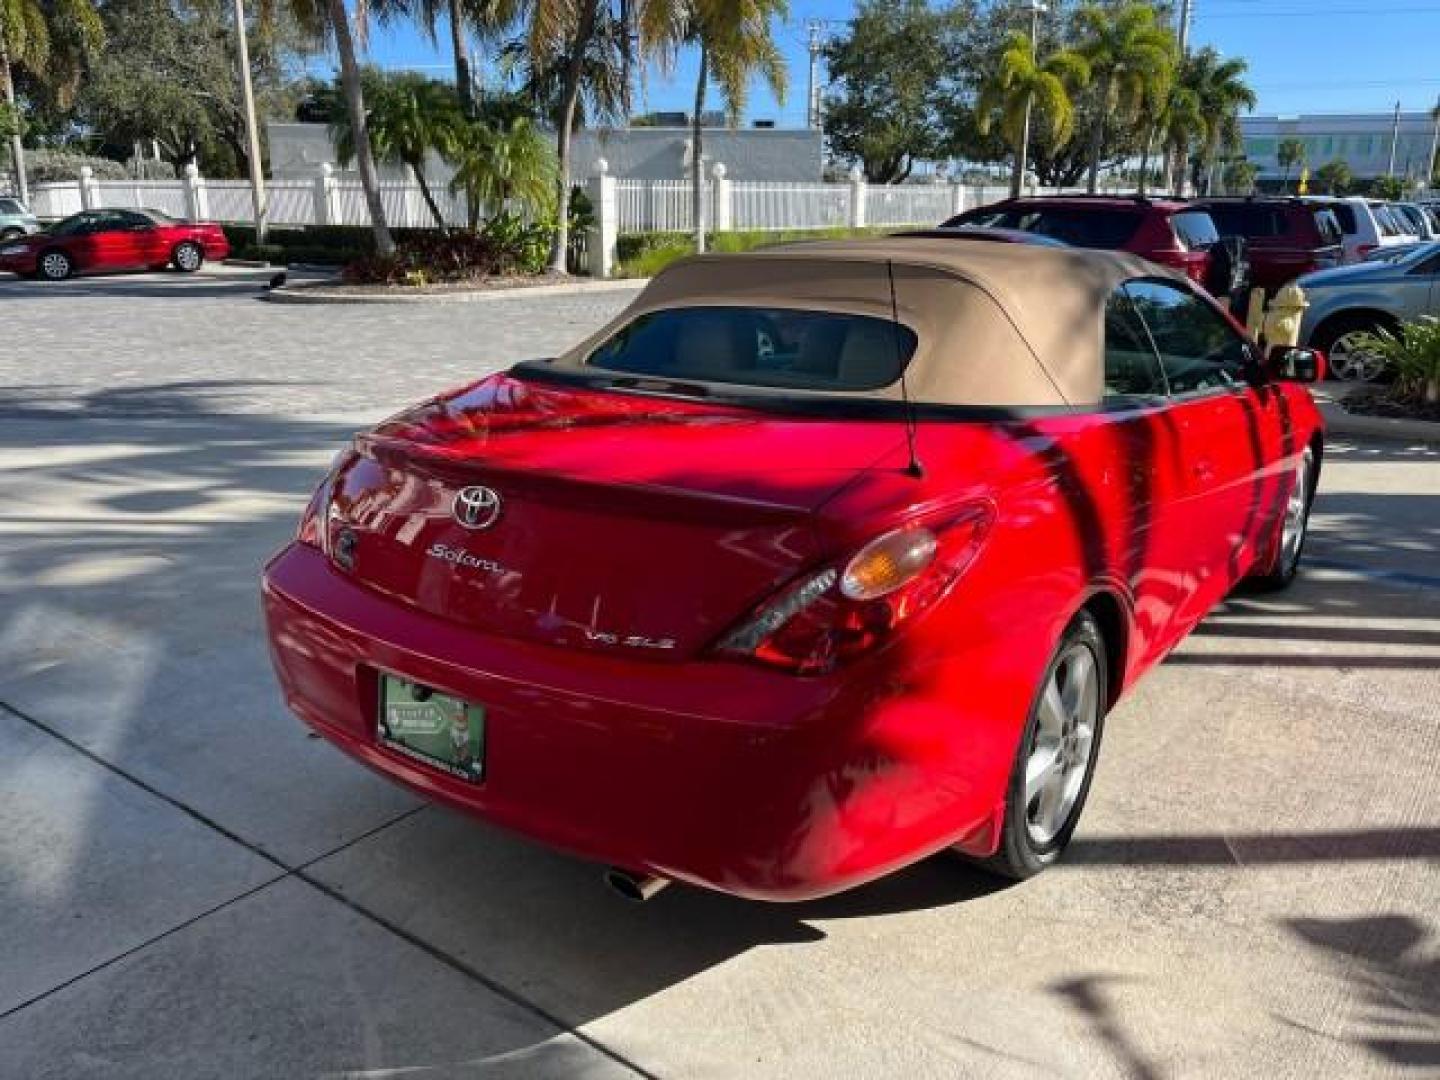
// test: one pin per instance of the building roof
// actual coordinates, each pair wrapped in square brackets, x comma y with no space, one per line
[1003,325]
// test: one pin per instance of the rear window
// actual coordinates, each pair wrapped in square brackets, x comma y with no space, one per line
[1088,227]
[751,346]
[1195,228]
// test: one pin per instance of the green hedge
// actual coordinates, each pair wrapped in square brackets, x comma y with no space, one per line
[645,254]
[329,245]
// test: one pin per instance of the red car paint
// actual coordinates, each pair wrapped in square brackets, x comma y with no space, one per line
[98,241]
[658,520]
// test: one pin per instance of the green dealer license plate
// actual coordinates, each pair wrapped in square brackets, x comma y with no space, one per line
[439,730]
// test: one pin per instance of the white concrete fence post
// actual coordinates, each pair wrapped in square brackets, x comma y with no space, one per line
[89,191]
[723,217]
[604,194]
[858,192]
[327,210]
[197,199]
[957,199]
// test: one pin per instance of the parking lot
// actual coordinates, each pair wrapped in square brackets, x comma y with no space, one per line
[192,887]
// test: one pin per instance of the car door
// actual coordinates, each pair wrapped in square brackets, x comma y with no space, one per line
[143,239]
[1152,497]
[1226,431]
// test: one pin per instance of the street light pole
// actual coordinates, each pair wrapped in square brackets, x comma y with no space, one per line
[1433,162]
[1394,141]
[1022,157]
[252,133]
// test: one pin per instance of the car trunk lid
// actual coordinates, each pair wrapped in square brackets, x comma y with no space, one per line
[630,524]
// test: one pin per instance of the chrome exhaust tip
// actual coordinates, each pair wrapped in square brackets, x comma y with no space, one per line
[637,888]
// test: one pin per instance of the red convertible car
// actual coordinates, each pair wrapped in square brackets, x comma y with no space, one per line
[101,240]
[815,561]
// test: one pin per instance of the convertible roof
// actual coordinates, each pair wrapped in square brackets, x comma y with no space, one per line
[1007,325]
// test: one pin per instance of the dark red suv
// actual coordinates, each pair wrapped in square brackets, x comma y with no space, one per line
[1166,231]
[1284,236]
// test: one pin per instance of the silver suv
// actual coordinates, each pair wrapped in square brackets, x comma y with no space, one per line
[16,219]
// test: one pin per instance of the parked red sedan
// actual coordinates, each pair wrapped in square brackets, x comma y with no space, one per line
[815,561]
[101,240]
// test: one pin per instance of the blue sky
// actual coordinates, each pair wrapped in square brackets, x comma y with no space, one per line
[1305,56]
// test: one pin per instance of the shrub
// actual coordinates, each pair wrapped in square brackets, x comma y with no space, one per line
[59,166]
[506,246]
[1413,353]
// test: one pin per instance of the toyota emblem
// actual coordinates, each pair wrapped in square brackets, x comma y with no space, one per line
[477,507]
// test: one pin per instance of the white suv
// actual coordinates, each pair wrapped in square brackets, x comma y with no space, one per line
[1367,224]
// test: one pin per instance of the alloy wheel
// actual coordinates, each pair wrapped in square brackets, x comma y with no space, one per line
[1292,537]
[55,266]
[188,257]
[1351,361]
[1063,744]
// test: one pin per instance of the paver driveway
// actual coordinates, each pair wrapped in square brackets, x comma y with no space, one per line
[191,887]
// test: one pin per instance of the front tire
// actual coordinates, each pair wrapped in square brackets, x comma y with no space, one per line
[1342,342]
[55,266]
[1294,527]
[188,257]
[1055,763]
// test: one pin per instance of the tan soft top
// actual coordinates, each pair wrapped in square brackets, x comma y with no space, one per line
[1008,325]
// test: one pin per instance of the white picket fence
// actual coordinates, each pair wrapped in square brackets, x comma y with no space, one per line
[667,205]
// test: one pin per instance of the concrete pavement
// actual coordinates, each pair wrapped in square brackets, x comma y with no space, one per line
[189,886]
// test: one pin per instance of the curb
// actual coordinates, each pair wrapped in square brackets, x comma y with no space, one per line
[320,295]
[1340,422]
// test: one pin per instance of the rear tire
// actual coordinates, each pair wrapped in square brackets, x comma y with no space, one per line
[1055,762]
[1338,340]
[1292,530]
[55,265]
[188,257]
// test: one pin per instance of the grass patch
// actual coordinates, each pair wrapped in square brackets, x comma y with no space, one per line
[646,254]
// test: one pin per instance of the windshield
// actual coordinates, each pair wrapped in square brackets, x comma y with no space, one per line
[755,346]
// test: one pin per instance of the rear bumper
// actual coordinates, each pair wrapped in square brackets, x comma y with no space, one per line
[718,774]
[217,250]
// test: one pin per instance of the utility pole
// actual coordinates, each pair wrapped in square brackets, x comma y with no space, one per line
[1432,162]
[812,113]
[1186,14]
[1022,157]
[1394,141]
[252,133]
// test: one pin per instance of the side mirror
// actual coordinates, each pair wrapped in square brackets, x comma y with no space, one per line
[1290,363]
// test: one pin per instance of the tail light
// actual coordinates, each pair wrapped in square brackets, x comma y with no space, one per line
[314,531]
[1365,249]
[830,616]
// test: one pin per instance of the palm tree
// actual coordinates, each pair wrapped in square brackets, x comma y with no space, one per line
[328,20]
[409,116]
[1179,125]
[1219,86]
[1288,154]
[735,44]
[488,17]
[1021,86]
[51,40]
[1131,59]
[498,161]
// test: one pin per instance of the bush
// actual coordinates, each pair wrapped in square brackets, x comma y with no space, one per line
[646,254]
[506,246]
[1413,353]
[60,166]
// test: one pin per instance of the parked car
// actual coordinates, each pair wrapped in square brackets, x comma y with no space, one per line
[100,240]
[1353,301]
[1420,222]
[1368,225]
[815,561]
[1165,231]
[16,219]
[979,232]
[1284,236]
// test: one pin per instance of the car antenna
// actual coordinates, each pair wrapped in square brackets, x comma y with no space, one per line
[913,467]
